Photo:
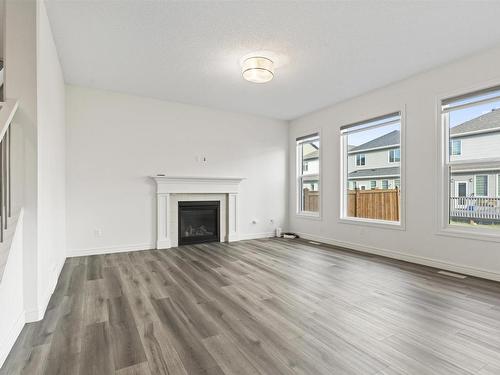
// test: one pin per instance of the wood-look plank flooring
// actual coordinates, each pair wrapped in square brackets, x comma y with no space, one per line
[260,307]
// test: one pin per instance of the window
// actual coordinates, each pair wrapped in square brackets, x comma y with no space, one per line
[397,183]
[360,159]
[372,138]
[470,202]
[482,186]
[456,147]
[395,155]
[308,178]
[498,185]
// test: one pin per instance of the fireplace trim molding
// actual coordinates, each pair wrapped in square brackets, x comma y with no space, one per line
[167,185]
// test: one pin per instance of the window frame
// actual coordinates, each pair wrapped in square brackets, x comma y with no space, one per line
[475,185]
[444,228]
[451,146]
[301,177]
[362,160]
[343,149]
[394,156]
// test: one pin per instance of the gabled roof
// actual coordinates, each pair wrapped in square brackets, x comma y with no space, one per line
[389,139]
[375,172]
[312,155]
[490,120]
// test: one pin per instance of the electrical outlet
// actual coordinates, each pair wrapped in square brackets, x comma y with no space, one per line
[98,232]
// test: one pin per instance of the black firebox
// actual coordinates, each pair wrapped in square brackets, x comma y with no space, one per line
[199,221]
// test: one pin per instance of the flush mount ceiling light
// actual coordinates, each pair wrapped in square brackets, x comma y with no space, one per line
[257,69]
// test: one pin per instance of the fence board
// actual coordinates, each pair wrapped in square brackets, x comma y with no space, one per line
[374,204]
[311,200]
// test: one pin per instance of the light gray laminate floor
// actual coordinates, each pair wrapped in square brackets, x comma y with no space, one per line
[260,307]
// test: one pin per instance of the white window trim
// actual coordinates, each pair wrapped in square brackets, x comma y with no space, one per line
[298,203]
[443,227]
[364,159]
[451,147]
[389,156]
[401,225]
[487,185]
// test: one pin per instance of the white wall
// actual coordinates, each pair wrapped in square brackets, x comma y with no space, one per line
[20,83]
[51,160]
[115,141]
[12,316]
[419,242]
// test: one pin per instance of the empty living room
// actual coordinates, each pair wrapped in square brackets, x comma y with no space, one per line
[214,187]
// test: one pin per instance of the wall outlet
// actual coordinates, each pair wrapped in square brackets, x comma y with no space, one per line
[98,232]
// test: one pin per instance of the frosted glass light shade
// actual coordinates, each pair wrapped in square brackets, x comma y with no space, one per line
[258,69]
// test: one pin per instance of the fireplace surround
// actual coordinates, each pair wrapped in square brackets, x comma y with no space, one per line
[198,222]
[171,190]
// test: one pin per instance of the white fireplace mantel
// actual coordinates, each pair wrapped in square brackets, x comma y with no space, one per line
[168,185]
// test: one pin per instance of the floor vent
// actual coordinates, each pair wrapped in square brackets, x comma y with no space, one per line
[456,275]
[314,243]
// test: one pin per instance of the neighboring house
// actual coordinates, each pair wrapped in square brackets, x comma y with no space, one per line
[311,164]
[375,164]
[478,138]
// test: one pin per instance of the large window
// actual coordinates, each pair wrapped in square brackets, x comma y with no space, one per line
[377,143]
[308,174]
[471,128]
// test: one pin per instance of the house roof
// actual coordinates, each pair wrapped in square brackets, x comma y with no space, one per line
[312,155]
[484,122]
[375,172]
[389,139]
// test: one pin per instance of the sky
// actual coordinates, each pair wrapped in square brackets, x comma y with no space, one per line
[466,114]
[456,118]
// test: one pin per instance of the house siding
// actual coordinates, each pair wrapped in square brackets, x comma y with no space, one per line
[374,159]
[481,146]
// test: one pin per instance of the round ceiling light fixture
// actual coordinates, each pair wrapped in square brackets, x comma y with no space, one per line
[257,69]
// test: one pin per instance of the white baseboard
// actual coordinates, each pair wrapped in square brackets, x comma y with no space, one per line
[146,246]
[255,236]
[9,340]
[110,249]
[477,272]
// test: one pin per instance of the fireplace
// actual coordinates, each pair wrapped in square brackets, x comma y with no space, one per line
[199,221]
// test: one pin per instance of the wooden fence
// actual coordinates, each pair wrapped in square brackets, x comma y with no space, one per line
[311,200]
[374,204]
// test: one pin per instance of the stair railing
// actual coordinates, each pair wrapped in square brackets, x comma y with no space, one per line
[7,111]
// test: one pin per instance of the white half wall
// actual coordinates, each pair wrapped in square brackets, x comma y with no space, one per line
[51,163]
[12,317]
[420,242]
[115,141]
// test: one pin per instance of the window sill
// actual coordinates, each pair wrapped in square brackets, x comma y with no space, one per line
[470,234]
[373,223]
[308,215]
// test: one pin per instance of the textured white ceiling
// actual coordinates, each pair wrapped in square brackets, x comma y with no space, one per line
[189,52]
